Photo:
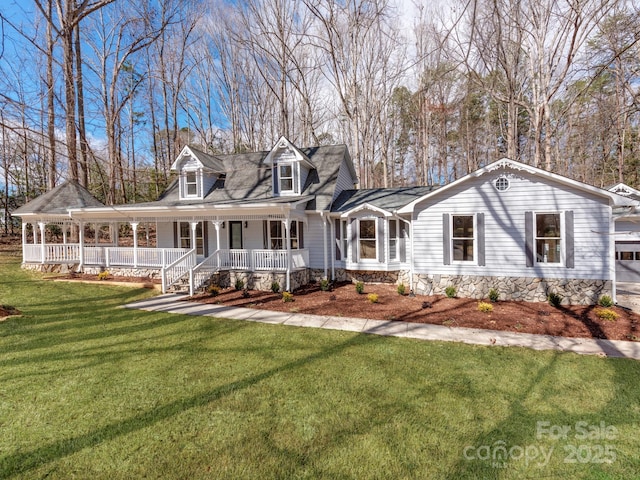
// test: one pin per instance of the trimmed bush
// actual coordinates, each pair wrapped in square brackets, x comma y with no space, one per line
[325,285]
[213,290]
[360,287]
[485,307]
[103,275]
[451,292]
[373,297]
[606,314]
[275,287]
[605,301]
[494,295]
[401,289]
[554,299]
[239,285]
[287,297]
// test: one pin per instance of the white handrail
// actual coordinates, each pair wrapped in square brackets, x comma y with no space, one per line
[173,272]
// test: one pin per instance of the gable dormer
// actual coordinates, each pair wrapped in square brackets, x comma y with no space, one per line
[290,168]
[197,172]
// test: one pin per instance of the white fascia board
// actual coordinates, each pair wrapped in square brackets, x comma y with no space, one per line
[366,206]
[505,163]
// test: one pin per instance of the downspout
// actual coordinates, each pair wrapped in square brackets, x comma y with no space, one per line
[332,240]
[410,224]
[612,254]
[324,243]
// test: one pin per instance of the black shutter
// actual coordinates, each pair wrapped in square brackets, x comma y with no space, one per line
[480,237]
[337,237]
[446,239]
[175,235]
[569,238]
[528,238]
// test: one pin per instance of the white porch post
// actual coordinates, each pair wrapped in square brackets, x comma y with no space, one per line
[332,233]
[115,234]
[287,239]
[134,226]
[34,227]
[24,241]
[64,233]
[81,241]
[216,224]
[194,226]
[43,252]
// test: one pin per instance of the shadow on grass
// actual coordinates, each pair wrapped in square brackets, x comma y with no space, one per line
[22,462]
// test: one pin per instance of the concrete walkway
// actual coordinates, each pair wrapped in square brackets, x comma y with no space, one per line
[174,303]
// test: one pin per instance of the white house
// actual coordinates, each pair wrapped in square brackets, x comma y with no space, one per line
[292,215]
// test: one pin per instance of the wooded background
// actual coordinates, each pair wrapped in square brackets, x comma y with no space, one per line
[108,92]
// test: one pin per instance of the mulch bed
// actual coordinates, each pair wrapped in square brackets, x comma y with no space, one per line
[526,317]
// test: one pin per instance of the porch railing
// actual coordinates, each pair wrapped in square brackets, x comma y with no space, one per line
[176,270]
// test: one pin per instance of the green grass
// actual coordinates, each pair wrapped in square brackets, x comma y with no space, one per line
[90,390]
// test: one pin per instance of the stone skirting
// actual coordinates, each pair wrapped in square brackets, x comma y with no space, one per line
[528,289]
[343,275]
[261,280]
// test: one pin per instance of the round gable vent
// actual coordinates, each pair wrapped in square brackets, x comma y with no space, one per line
[501,183]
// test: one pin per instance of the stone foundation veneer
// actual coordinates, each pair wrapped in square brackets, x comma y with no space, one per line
[260,280]
[527,289]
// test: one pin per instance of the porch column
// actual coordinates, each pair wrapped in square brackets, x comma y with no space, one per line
[43,252]
[287,240]
[24,241]
[81,242]
[115,234]
[64,233]
[96,233]
[194,226]
[216,224]
[35,233]
[134,226]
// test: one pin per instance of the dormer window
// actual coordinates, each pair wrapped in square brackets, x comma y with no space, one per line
[286,178]
[191,184]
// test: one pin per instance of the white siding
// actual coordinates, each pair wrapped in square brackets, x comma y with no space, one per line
[345,180]
[313,242]
[165,235]
[504,214]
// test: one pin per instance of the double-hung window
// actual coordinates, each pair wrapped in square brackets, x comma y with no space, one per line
[393,240]
[368,240]
[462,238]
[286,178]
[190,185]
[548,239]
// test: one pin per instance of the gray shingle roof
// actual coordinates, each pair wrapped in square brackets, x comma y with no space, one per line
[207,160]
[59,200]
[389,199]
[247,179]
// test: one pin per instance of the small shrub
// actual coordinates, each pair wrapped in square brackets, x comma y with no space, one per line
[401,289]
[485,307]
[245,293]
[275,287]
[605,301]
[554,299]
[373,297]
[325,285]
[103,275]
[494,295]
[213,290]
[450,292]
[360,287]
[239,285]
[287,297]
[606,314]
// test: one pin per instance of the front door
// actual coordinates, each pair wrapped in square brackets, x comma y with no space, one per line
[235,235]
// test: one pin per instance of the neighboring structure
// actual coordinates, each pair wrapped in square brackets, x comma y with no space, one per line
[627,236]
[293,215]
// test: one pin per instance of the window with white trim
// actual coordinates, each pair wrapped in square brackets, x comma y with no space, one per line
[190,184]
[462,238]
[548,238]
[393,239]
[367,239]
[296,233]
[276,235]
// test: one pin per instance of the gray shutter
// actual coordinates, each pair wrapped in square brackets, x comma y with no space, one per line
[354,240]
[265,235]
[569,238]
[528,238]
[380,238]
[205,238]
[337,235]
[480,237]
[275,178]
[301,235]
[446,239]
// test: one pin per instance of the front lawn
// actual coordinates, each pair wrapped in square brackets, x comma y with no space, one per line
[90,390]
